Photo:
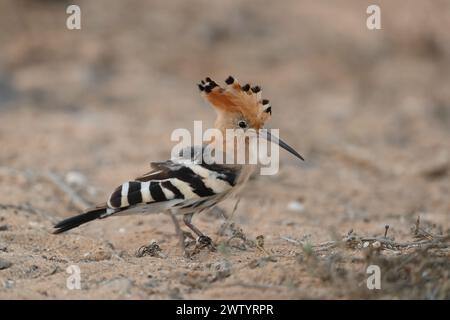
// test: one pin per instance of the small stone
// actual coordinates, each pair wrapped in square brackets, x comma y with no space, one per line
[119,285]
[366,244]
[376,244]
[9,284]
[35,224]
[175,293]
[4,227]
[4,264]
[152,283]
[296,206]
[75,178]
[222,268]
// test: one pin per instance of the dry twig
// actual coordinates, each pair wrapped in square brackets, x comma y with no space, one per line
[76,199]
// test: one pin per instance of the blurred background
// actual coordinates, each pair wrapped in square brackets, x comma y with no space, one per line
[368,109]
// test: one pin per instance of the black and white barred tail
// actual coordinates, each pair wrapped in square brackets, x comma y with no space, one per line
[80,219]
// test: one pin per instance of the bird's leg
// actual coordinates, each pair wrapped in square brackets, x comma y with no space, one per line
[202,239]
[187,218]
[178,230]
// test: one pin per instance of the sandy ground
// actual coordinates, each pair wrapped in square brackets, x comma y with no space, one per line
[369,110]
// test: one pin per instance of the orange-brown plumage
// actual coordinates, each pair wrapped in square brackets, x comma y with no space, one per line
[237,101]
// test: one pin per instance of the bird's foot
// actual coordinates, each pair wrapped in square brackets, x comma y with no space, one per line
[205,242]
[201,243]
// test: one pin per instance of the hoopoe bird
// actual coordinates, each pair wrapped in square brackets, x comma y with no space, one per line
[186,186]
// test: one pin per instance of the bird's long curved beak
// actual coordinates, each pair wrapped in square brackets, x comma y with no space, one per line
[265,134]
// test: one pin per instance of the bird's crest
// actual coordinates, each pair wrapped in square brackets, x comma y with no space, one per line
[235,98]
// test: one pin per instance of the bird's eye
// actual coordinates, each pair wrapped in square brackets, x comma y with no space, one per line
[242,124]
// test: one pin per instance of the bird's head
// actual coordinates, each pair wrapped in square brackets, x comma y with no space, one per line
[241,107]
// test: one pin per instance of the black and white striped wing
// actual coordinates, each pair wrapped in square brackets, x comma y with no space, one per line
[173,182]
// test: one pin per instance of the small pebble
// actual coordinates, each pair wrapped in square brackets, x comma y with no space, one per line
[222,268]
[296,206]
[4,227]
[75,178]
[4,264]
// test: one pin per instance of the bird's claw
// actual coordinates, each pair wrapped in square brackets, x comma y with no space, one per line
[205,241]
